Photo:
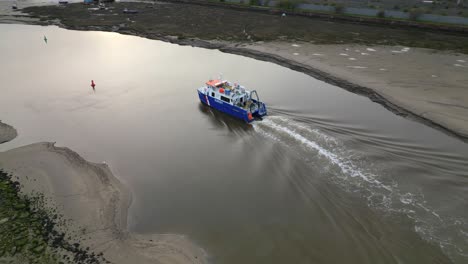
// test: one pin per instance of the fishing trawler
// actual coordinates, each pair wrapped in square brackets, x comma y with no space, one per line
[232,99]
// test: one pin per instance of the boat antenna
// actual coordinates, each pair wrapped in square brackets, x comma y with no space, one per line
[220,76]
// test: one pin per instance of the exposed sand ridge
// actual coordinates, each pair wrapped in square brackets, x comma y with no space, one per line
[95,202]
[418,84]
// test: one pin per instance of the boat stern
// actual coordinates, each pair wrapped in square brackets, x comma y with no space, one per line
[262,110]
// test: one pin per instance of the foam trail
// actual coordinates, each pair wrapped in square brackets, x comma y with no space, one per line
[345,166]
[305,128]
[382,196]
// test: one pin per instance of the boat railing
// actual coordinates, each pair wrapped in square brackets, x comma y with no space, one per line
[253,108]
[260,106]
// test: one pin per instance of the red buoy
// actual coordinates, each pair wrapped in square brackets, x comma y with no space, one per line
[249,116]
[221,90]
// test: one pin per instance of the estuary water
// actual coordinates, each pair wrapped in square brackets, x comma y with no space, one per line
[327,177]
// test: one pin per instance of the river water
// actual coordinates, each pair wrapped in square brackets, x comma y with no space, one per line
[328,177]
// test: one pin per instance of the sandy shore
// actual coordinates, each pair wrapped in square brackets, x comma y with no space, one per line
[95,204]
[428,86]
[7,133]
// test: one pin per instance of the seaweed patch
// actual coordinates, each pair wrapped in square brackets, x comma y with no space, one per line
[29,233]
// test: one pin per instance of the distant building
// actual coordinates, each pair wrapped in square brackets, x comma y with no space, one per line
[88,1]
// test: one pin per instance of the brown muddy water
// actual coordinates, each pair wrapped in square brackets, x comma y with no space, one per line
[328,177]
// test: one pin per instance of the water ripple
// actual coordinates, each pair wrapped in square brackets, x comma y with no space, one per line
[355,173]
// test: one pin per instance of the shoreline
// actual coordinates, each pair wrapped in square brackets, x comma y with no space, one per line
[232,48]
[438,109]
[91,209]
[368,92]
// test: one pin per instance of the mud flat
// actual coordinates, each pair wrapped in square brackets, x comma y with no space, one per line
[428,86]
[94,204]
[9,15]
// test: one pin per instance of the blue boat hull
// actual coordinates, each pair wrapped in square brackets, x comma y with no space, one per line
[228,108]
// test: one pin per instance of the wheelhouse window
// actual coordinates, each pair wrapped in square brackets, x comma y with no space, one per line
[225,99]
[212,94]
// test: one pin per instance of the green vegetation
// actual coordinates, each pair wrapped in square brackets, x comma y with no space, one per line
[339,9]
[21,230]
[195,22]
[381,14]
[28,232]
[415,13]
[414,8]
[288,4]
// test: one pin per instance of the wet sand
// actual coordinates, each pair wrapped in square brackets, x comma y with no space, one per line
[96,204]
[428,85]
[7,133]
[418,83]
